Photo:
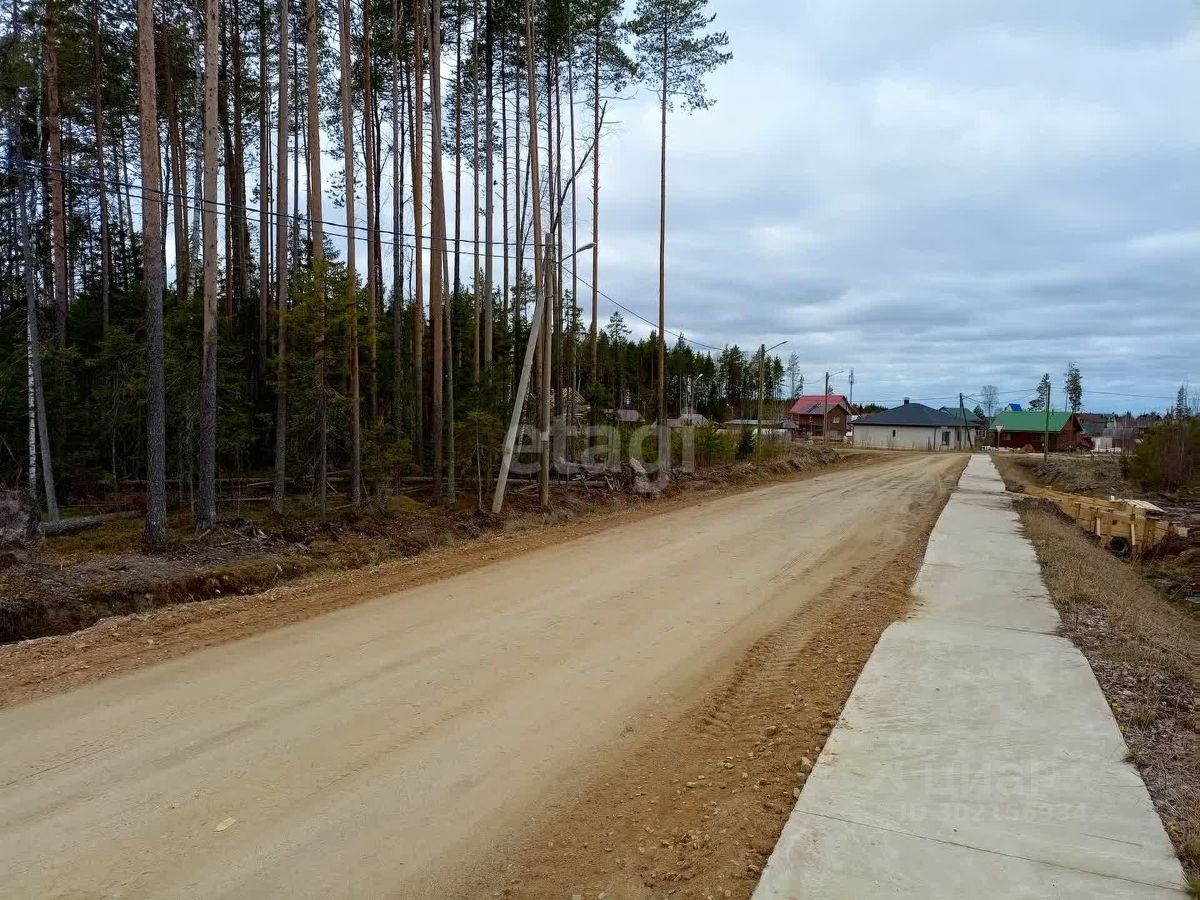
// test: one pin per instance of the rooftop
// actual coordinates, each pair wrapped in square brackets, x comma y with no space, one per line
[1032,420]
[911,414]
[816,404]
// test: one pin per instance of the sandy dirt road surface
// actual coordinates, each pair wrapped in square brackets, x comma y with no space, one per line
[399,747]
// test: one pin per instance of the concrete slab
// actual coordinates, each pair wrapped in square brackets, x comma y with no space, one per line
[829,858]
[977,756]
[995,552]
[957,594]
[991,738]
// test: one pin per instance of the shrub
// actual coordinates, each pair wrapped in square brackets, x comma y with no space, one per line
[1167,458]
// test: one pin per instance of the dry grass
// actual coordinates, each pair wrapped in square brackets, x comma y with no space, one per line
[1145,651]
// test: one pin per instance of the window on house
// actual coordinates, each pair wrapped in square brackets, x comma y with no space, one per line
[893,432]
[945,439]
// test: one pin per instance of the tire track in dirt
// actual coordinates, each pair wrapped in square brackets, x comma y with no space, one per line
[694,810]
[457,729]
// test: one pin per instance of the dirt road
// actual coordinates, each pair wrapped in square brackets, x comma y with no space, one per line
[386,749]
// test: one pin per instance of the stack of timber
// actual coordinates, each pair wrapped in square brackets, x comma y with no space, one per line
[1123,525]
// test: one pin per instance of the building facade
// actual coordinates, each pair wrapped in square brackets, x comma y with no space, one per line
[810,412]
[914,426]
[1027,430]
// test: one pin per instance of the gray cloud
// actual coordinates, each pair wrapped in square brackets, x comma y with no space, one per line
[937,194]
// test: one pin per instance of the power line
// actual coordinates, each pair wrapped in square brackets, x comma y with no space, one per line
[333,229]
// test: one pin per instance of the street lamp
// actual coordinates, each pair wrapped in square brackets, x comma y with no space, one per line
[825,405]
[574,352]
[762,358]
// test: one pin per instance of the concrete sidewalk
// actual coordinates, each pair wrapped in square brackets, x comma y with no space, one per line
[977,756]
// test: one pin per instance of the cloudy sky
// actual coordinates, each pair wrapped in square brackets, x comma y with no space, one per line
[938,194]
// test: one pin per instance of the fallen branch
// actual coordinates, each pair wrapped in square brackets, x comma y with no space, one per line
[79,523]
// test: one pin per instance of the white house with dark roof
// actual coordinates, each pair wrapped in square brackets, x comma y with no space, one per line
[914,426]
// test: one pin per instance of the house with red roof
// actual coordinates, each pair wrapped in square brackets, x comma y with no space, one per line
[811,412]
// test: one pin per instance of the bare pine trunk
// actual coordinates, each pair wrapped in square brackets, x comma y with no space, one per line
[58,218]
[519,222]
[397,224]
[281,268]
[662,279]
[372,202]
[504,296]
[316,217]
[417,144]
[457,142]
[36,397]
[351,277]
[239,163]
[437,259]
[264,199]
[155,531]
[489,187]
[178,164]
[477,349]
[206,511]
[226,166]
[553,178]
[573,371]
[595,334]
[101,184]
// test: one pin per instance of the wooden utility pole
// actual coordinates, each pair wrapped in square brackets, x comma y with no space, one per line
[1046,433]
[962,409]
[535,328]
[825,413]
[762,355]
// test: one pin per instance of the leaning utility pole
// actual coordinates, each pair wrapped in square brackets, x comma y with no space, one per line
[535,327]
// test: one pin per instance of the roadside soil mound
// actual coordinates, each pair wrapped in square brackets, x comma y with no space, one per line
[70,582]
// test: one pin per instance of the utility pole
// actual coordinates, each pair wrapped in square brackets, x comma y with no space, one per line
[1046,433]
[762,355]
[851,400]
[762,358]
[966,429]
[825,414]
[535,326]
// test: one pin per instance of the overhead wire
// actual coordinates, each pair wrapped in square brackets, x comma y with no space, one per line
[331,228]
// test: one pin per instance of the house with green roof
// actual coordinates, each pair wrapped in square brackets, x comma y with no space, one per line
[1027,429]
